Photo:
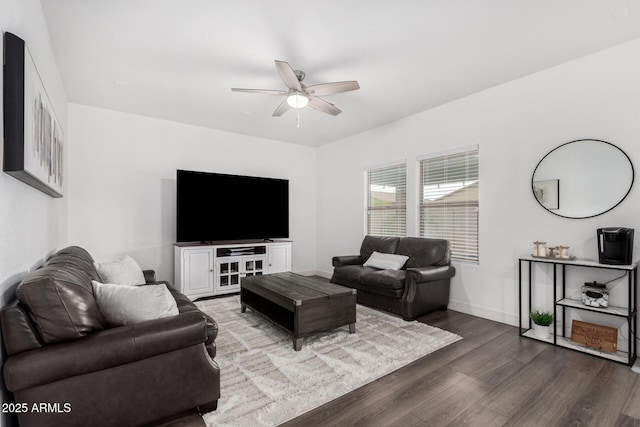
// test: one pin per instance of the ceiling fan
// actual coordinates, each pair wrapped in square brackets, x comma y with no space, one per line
[300,96]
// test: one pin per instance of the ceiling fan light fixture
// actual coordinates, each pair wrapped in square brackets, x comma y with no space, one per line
[299,96]
[297,100]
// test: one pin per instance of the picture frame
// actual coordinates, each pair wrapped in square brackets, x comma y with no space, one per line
[547,192]
[33,135]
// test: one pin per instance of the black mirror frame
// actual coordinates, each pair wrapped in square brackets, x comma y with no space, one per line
[590,216]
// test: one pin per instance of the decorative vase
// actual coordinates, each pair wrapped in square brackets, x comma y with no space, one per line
[542,332]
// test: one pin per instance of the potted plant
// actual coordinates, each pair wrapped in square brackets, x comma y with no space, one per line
[542,321]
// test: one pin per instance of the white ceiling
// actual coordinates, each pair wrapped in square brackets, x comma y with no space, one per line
[177,60]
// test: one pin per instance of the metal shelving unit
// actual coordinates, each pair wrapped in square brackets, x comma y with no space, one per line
[564,303]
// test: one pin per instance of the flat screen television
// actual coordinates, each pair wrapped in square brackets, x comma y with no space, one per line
[213,207]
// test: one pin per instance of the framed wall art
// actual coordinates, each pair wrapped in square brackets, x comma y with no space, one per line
[548,193]
[33,135]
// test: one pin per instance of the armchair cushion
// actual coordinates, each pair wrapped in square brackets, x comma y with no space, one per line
[423,252]
[384,244]
[124,305]
[59,298]
[384,282]
[351,273]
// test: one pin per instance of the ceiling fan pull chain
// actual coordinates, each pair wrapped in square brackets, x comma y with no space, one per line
[298,120]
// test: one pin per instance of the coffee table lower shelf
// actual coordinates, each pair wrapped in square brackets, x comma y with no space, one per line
[276,314]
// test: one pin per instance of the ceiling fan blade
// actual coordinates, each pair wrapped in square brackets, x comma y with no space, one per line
[324,106]
[282,108]
[324,89]
[288,76]
[263,91]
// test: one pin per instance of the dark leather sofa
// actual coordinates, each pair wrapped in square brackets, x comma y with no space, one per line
[60,351]
[420,286]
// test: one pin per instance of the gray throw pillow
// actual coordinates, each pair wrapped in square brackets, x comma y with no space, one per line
[125,271]
[125,305]
[386,261]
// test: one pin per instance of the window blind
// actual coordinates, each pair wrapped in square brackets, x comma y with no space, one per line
[448,207]
[387,200]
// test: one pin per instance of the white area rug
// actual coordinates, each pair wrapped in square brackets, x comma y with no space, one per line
[264,382]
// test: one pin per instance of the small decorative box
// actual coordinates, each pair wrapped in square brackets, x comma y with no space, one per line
[595,296]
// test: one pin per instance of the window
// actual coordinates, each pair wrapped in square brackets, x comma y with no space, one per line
[387,200]
[448,206]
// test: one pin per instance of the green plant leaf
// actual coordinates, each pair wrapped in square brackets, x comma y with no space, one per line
[542,318]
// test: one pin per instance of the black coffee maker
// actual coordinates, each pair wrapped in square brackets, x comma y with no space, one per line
[615,245]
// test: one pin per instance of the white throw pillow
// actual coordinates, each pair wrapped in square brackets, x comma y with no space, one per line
[125,305]
[386,261]
[125,271]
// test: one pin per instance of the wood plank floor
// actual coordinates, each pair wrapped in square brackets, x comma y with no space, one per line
[491,377]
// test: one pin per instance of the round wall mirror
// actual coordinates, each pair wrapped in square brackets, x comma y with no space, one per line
[583,178]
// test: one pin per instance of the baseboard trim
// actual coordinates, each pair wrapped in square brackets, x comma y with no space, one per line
[315,273]
[325,274]
[485,313]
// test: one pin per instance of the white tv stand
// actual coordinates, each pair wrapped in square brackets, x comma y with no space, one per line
[202,269]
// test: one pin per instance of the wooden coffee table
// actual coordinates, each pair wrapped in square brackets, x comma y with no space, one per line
[298,304]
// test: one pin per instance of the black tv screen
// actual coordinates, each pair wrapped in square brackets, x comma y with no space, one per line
[213,207]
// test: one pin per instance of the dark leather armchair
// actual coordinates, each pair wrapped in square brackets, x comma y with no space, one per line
[420,286]
[61,352]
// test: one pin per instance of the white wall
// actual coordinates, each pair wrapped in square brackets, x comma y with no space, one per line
[515,125]
[122,191]
[32,224]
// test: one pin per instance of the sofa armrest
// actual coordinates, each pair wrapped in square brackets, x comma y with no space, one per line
[150,279]
[149,276]
[104,349]
[426,289]
[339,261]
[429,274]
